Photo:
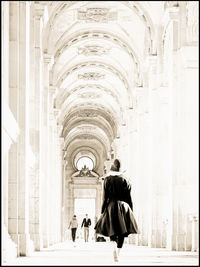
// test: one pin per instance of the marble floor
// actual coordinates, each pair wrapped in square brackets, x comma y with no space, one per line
[100,253]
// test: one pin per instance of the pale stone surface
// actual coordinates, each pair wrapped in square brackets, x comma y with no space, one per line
[82,80]
[100,253]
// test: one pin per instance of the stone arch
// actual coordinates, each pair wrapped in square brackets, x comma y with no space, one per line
[98,64]
[85,149]
[77,122]
[140,10]
[74,138]
[92,113]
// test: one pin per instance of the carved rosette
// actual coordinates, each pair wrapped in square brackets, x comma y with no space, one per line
[96,15]
[91,76]
[93,50]
[87,114]
[90,95]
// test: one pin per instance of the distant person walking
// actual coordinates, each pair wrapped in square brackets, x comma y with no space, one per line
[73,225]
[86,223]
[117,220]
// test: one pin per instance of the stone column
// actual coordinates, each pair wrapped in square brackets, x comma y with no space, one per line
[132,167]
[180,72]
[152,71]
[36,174]
[61,186]
[48,61]
[142,134]
[52,166]
[5,96]
[10,133]
[58,184]
[19,95]
[195,234]
[63,195]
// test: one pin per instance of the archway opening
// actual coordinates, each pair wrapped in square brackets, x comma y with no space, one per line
[83,206]
[85,161]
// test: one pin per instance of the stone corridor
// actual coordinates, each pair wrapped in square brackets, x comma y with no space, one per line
[84,83]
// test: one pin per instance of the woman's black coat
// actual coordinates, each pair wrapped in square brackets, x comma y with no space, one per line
[117,209]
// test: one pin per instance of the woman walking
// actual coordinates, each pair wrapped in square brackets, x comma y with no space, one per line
[117,220]
[74,225]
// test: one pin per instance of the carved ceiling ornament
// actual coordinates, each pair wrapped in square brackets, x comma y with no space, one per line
[107,36]
[98,123]
[87,114]
[93,50]
[98,87]
[91,76]
[90,95]
[97,14]
[63,5]
[85,172]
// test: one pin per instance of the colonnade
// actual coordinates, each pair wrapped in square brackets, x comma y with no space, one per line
[32,143]
[157,146]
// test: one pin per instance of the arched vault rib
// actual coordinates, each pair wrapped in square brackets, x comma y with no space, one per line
[100,65]
[62,45]
[72,101]
[88,138]
[125,67]
[85,149]
[62,100]
[61,6]
[92,123]
[89,130]
[113,38]
[89,121]
[85,113]
[69,91]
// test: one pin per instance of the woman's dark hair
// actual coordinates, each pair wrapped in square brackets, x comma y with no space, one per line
[115,166]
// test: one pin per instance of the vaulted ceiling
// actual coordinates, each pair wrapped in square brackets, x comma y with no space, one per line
[99,49]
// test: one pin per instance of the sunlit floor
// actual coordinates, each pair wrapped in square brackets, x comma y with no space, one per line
[100,253]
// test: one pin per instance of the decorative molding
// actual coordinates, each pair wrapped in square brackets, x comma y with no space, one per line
[85,137]
[87,114]
[98,14]
[38,10]
[90,50]
[88,87]
[85,172]
[86,128]
[91,76]
[90,95]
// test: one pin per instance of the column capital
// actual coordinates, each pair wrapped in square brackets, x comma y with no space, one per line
[38,10]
